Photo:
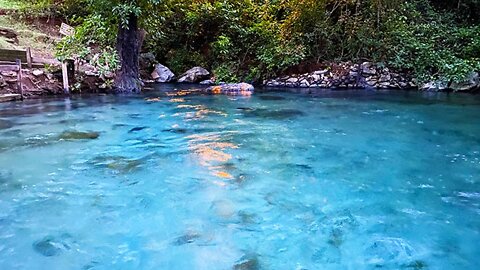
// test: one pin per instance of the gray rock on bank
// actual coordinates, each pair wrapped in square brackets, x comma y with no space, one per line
[470,84]
[162,74]
[194,75]
[207,82]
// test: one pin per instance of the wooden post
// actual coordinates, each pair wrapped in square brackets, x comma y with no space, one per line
[19,77]
[65,77]
[29,57]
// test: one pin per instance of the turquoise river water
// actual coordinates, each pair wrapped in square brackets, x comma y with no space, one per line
[278,180]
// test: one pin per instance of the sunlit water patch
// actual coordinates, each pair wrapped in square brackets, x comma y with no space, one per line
[279,180]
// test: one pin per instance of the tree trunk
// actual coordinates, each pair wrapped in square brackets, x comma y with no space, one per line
[128,47]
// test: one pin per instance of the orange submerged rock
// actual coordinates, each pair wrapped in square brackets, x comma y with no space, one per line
[233,89]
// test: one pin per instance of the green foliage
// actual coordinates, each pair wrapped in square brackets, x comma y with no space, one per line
[124,10]
[277,56]
[250,39]
[67,9]
[94,32]
[432,44]
[106,61]
[181,60]
[222,47]
[10,4]
[226,72]
[92,42]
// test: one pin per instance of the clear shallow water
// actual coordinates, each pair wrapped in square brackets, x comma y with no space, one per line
[346,180]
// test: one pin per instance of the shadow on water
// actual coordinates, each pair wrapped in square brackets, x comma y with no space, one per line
[271,98]
[5,124]
[52,104]
[390,96]
[272,114]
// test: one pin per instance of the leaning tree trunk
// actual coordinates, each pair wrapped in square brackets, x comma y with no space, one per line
[128,47]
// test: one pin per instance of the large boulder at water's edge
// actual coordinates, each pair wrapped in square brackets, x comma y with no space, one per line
[233,89]
[433,86]
[194,75]
[471,83]
[162,74]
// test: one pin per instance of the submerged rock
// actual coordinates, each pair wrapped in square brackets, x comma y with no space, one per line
[137,129]
[247,262]
[345,219]
[187,238]
[336,237]
[118,163]
[79,135]
[176,130]
[240,179]
[4,124]
[416,265]
[245,109]
[194,75]
[247,218]
[162,74]
[233,89]
[124,165]
[50,246]
[389,250]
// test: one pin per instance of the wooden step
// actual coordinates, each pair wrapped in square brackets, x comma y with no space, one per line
[10,97]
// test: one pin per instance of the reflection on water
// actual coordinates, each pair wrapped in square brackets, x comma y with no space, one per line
[211,151]
[278,180]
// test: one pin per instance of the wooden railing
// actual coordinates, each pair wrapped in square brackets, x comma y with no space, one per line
[11,56]
[12,60]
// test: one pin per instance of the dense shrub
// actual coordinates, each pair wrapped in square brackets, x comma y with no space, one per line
[432,44]
[253,39]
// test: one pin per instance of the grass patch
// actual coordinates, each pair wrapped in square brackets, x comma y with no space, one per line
[42,44]
[10,4]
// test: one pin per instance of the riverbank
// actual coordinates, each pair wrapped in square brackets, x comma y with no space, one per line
[335,76]
[91,77]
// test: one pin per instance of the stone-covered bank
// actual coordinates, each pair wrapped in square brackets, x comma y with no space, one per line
[347,75]
[367,75]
